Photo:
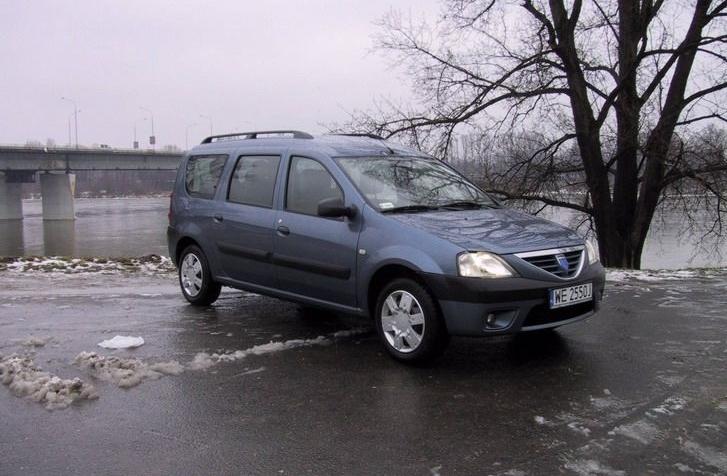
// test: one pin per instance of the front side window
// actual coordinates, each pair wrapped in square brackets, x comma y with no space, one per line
[203,174]
[308,184]
[253,180]
[412,183]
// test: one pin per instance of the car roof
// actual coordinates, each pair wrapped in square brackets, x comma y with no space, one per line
[334,145]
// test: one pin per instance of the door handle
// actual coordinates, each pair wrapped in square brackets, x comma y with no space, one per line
[283,230]
[218,218]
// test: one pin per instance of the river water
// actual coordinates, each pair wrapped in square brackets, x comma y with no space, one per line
[120,227]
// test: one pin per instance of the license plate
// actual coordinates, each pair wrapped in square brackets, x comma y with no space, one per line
[571,295]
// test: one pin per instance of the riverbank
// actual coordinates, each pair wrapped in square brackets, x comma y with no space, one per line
[124,226]
[158,264]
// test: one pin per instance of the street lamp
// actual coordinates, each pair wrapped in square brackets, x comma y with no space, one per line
[75,115]
[152,138]
[70,140]
[135,144]
[209,119]
[186,135]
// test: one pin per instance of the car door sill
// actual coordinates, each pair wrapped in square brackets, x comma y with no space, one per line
[288,296]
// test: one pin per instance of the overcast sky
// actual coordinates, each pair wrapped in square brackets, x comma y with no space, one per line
[246,64]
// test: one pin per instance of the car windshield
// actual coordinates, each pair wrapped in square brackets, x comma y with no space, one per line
[412,184]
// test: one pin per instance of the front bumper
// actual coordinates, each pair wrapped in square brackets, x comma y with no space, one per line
[518,304]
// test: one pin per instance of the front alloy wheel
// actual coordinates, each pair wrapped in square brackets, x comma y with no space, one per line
[402,321]
[409,322]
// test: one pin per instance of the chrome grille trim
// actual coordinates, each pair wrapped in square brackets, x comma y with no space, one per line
[545,260]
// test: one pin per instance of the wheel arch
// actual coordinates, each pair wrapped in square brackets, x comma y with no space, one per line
[183,243]
[389,272]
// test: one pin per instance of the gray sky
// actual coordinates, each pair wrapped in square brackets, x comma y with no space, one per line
[247,64]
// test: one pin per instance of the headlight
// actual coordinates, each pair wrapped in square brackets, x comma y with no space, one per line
[592,255]
[483,265]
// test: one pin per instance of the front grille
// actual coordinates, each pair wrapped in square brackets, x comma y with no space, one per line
[561,263]
[541,314]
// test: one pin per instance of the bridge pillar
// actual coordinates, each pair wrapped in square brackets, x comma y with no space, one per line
[11,199]
[57,191]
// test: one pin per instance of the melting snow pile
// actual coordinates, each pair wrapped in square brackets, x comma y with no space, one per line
[125,373]
[150,264]
[122,342]
[204,360]
[26,380]
[33,341]
[655,275]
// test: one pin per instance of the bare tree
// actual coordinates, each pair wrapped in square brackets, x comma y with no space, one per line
[613,80]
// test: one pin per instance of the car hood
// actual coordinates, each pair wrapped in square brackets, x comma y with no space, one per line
[500,230]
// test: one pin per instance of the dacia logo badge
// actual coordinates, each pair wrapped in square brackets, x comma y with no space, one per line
[562,262]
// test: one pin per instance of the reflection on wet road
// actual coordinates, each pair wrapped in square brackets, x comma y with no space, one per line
[641,387]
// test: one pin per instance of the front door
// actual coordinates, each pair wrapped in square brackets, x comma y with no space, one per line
[315,256]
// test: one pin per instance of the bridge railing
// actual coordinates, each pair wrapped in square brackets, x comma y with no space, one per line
[82,148]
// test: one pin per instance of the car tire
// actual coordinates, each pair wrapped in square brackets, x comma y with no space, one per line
[409,322]
[195,277]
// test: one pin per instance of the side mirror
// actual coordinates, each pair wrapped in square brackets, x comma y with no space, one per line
[334,208]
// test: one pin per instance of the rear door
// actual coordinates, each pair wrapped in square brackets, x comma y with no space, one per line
[197,207]
[314,256]
[246,218]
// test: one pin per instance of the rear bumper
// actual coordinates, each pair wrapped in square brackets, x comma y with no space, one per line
[517,304]
[172,240]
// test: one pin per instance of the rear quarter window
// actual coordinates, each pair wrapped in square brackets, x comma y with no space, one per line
[202,175]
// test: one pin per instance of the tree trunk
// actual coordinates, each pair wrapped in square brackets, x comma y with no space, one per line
[616,252]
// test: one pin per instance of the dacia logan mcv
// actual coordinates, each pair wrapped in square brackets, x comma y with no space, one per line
[357,224]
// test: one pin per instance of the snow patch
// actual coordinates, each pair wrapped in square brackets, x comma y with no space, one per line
[122,342]
[125,373]
[587,467]
[149,264]
[709,456]
[684,468]
[250,372]
[670,380]
[203,360]
[603,403]
[625,275]
[25,379]
[641,431]
[670,406]
[578,428]
[541,420]
[33,341]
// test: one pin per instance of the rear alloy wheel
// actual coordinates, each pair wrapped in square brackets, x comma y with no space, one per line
[409,323]
[195,278]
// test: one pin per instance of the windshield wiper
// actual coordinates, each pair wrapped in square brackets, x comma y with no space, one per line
[410,209]
[464,204]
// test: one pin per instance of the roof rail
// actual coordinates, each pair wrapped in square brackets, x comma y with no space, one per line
[255,134]
[359,134]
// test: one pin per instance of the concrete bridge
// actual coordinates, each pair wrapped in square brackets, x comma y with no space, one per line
[55,167]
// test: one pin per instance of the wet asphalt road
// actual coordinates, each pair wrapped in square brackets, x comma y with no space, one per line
[641,388]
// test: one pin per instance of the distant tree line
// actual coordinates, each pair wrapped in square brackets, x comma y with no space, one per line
[112,183]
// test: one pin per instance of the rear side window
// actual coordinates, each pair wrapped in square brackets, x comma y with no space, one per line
[253,181]
[203,174]
[309,183]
